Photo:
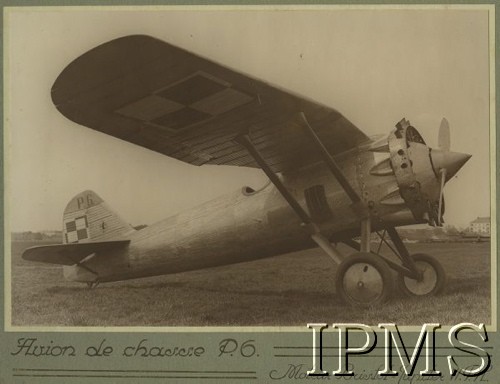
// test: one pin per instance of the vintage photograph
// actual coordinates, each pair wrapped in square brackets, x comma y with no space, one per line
[181,166]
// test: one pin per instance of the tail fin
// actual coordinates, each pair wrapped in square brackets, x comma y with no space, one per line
[88,218]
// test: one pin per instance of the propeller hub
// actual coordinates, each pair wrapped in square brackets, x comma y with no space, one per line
[421,172]
[451,162]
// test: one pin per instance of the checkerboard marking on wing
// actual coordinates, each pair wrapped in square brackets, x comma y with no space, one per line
[76,229]
[194,99]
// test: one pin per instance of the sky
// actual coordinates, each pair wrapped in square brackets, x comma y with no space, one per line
[375,66]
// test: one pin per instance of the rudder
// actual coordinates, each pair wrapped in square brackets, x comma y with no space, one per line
[87,218]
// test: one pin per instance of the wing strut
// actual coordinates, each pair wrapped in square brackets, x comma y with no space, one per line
[245,141]
[403,252]
[330,162]
[358,206]
[316,235]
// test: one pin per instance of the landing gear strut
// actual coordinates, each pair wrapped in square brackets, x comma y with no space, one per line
[431,281]
[364,278]
[421,274]
[418,275]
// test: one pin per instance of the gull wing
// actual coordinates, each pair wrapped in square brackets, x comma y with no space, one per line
[153,94]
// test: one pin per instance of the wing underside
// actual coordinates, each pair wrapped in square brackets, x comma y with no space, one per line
[158,96]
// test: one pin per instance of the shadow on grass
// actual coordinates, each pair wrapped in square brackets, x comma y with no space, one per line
[288,294]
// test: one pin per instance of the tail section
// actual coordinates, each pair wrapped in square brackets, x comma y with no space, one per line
[88,218]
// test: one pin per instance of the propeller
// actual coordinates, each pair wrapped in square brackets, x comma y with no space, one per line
[444,143]
[444,136]
[440,212]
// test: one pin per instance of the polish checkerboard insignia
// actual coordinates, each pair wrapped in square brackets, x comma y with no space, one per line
[194,99]
[76,229]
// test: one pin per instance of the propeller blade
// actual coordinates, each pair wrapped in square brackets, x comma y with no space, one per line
[441,197]
[444,135]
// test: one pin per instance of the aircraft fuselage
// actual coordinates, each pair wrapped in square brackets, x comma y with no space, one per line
[247,225]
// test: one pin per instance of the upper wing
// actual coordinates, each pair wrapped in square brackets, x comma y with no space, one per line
[150,93]
[70,254]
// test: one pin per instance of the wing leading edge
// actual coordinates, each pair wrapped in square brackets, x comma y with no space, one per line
[70,254]
[153,94]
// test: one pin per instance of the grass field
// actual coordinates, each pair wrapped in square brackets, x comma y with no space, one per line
[291,289]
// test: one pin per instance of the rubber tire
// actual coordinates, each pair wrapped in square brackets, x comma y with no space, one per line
[379,264]
[440,273]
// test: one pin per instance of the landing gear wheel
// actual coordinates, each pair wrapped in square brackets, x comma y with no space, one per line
[364,279]
[433,278]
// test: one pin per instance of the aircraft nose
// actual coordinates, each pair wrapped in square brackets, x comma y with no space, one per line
[451,161]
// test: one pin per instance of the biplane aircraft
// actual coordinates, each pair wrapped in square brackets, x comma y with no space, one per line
[328,181]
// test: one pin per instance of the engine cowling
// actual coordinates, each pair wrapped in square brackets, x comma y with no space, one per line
[412,165]
[421,171]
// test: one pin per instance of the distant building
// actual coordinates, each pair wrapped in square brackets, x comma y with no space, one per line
[480,226]
[36,236]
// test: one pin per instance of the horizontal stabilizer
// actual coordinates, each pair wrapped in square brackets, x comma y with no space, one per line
[70,254]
